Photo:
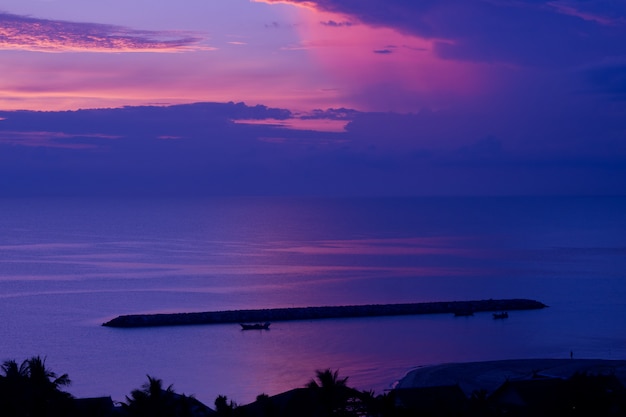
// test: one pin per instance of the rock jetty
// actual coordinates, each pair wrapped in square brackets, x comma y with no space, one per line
[313,313]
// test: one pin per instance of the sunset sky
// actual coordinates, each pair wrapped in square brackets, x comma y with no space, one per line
[328,97]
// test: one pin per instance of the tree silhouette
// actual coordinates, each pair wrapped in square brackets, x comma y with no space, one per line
[154,401]
[31,389]
[13,383]
[11,370]
[43,377]
[224,407]
[334,397]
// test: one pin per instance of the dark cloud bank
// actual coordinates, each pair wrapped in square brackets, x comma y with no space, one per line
[543,33]
[198,150]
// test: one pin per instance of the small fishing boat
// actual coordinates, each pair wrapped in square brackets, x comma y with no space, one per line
[255,326]
[502,315]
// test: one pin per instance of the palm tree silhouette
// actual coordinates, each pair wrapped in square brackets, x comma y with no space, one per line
[41,376]
[13,383]
[31,389]
[155,401]
[150,400]
[327,380]
[11,370]
[334,397]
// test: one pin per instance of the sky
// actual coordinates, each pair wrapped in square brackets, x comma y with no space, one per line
[328,97]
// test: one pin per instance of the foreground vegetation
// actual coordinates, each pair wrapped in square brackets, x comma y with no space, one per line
[30,389]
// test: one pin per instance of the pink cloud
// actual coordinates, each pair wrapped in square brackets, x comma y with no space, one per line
[169,137]
[42,35]
[240,73]
[318,125]
[391,66]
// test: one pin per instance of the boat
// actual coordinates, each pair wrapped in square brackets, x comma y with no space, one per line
[255,326]
[502,315]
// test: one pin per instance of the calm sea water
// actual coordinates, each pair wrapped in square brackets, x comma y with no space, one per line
[68,265]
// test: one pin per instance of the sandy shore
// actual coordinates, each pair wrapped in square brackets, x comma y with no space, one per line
[490,375]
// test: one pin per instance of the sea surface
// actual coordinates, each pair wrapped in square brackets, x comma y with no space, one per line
[68,265]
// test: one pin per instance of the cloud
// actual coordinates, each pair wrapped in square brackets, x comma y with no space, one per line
[200,149]
[42,35]
[332,23]
[383,51]
[331,114]
[193,149]
[521,32]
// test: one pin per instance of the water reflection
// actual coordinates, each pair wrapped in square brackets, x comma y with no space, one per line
[67,266]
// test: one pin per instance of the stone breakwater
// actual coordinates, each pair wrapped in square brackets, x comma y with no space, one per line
[313,313]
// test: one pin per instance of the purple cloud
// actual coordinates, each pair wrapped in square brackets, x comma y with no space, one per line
[42,35]
[331,114]
[332,23]
[198,149]
[536,33]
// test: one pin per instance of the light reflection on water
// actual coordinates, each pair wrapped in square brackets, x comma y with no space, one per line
[68,265]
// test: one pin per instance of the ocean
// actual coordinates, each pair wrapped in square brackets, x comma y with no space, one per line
[68,265]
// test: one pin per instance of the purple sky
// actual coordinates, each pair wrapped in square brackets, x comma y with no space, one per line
[342,97]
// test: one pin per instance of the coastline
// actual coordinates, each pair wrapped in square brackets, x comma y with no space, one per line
[489,375]
[324,312]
